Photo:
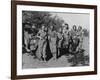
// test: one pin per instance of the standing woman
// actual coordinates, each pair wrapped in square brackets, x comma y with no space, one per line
[66,36]
[27,36]
[81,50]
[80,36]
[44,45]
[26,40]
[41,35]
[53,39]
[59,41]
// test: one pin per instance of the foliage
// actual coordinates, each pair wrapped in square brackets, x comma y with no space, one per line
[38,18]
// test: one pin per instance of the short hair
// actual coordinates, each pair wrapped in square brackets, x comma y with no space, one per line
[66,24]
[67,27]
[28,29]
[27,23]
[74,27]
[33,26]
[80,28]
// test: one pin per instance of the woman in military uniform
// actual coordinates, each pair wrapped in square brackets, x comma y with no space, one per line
[53,39]
[41,35]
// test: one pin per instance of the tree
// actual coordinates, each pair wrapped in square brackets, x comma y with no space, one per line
[38,18]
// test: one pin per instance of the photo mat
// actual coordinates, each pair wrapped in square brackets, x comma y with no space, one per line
[62,13]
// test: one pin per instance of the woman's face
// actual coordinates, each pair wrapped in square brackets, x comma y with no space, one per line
[33,26]
[43,27]
[79,28]
[60,30]
[25,33]
[27,26]
[51,27]
[74,28]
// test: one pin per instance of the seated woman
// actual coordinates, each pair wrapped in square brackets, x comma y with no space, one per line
[34,46]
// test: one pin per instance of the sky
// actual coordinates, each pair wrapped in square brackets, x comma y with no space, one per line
[75,19]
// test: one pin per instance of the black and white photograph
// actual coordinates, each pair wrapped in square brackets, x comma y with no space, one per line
[55,39]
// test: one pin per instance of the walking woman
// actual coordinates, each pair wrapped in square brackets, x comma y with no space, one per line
[41,35]
[53,39]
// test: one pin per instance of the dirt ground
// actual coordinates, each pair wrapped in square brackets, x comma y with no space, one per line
[30,62]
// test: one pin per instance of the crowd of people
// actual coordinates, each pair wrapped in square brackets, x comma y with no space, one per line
[45,42]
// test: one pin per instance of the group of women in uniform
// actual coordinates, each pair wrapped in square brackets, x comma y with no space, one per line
[63,41]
